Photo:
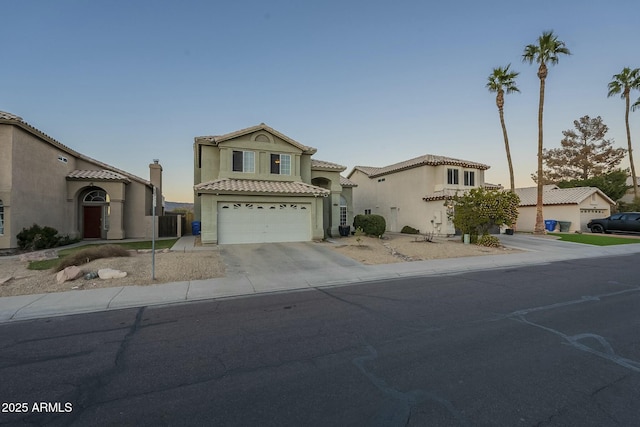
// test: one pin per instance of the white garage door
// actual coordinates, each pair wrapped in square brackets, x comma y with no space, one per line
[263,222]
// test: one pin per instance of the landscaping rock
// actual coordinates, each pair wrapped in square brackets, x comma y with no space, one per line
[69,273]
[4,280]
[110,273]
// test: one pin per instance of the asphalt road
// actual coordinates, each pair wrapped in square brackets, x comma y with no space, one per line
[552,345]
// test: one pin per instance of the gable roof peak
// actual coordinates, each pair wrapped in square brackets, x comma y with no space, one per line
[426,159]
[8,116]
[217,139]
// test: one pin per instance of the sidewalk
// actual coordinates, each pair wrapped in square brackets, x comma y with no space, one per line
[536,251]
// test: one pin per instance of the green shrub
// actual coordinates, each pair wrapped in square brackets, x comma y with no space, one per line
[371,224]
[409,230]
[489,241]
[36,238]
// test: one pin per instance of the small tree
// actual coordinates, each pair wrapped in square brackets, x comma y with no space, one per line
[479,209]
[585,153]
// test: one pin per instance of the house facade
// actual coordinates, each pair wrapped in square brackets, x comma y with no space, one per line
[47,183]
[575,205]
[414,192]
[258,185]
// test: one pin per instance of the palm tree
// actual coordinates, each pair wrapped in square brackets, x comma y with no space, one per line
[622,84]
[548,49]
[502,80]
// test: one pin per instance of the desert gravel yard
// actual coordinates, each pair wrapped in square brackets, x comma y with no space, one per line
[17,279]
[170,267]
[394,247]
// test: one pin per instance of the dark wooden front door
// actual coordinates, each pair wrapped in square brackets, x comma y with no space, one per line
[92,222]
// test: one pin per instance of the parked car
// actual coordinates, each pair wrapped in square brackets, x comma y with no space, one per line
[626,222]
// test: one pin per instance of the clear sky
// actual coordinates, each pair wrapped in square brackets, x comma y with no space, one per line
[365,82]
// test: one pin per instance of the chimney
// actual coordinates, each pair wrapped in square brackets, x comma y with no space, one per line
[155,176]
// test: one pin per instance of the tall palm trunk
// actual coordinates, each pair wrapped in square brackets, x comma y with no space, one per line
[500,104]
[539,227]
[634,180]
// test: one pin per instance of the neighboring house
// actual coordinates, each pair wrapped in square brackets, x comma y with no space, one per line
[47,183]
[575,205]
[628,196]
[257,185]
[414,192]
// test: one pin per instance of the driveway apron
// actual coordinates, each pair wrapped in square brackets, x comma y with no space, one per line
[270,259]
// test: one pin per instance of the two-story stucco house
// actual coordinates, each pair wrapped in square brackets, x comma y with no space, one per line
[47,183]
[414,192]
[257,185]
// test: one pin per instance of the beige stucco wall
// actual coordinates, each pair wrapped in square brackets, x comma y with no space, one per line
[37,185]
[209,215]
[6,145]
[262,150]
[398,197]
[138,205]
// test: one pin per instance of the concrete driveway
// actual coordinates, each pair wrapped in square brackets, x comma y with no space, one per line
[269,259]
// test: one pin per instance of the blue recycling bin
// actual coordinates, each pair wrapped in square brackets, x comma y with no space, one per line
[550,224]
[195,228]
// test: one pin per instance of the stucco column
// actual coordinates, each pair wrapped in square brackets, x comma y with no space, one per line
[318,232]
[335,213]
[116,220]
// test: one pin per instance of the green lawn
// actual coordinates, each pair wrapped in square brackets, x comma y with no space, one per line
[597,239]
[51,263]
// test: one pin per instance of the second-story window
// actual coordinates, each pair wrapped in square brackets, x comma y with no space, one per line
[470,178]
[244,161]
[281,164]
[452,176]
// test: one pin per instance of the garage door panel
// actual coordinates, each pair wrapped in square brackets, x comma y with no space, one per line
[263,222]
[587,215]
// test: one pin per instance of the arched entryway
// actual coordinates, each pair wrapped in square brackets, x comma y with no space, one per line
[94,203]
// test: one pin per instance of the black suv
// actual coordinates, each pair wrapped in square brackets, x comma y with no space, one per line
[625,222]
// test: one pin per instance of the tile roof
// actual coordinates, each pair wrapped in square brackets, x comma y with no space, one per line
[553,195]
[449,193]
[492,186]
[227,185]
[216,139]
[8,116]
[427,159]
[321,164]
[346,182]
[98,175]
[445,194]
